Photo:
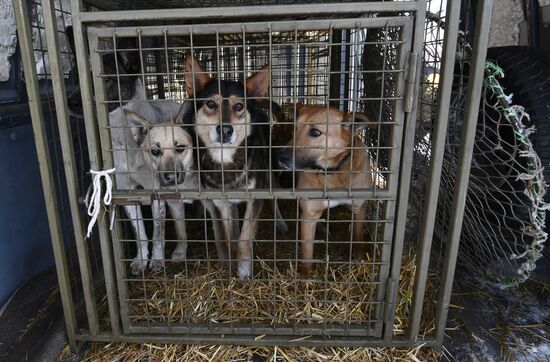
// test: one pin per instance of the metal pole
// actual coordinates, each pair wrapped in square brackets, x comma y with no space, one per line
[24,32]
[65,137]
[94,152]
[477,69]
[84,75]
[404,178]
[437,152]
[249,11]
[252,340]
[406,129]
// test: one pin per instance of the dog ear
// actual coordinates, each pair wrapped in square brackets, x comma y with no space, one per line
[258,83]
[355,121]
[195,79]
[288,110]
[138,125]
[183,112]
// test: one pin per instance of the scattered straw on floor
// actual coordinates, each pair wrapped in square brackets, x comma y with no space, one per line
[344,294]
[199,287]
[205,294]
[201,292]
[341,291]
[155,352]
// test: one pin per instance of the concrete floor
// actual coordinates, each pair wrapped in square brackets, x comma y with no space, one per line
[490,324]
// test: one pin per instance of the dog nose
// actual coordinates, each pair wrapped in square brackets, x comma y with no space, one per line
[224,132]
[169,176]
[283,154]
[284,157]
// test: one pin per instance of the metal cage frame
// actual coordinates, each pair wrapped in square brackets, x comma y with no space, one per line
[86,41]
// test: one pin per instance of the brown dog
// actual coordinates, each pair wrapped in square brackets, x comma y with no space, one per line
[323,142]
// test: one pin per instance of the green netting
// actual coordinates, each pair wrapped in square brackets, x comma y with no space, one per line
[504,219]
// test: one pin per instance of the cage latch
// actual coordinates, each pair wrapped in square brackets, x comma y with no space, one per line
[410,77]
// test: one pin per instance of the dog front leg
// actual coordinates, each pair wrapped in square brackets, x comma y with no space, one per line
[159,222]
[217,226]
[358,243]
[310,214]
[230,220]
[177,210]
[230,227]
[139,263]
[250,222]
[281,224]
[235,230]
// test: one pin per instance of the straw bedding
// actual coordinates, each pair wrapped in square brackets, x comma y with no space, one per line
[201,292]
[156,352]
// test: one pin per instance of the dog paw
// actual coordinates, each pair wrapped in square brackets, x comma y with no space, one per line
[137,266]
[245,269]
[306,269]
[178,256]
[156,265]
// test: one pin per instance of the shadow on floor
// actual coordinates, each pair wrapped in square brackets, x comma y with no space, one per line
[490,324]
[31,324]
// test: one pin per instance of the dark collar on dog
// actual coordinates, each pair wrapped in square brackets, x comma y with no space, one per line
[333,168]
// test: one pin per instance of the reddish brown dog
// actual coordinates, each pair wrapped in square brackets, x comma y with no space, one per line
[327,148]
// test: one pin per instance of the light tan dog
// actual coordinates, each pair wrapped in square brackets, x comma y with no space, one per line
[161,157]
[323,157]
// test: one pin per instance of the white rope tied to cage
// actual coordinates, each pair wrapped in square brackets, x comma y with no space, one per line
[94,201]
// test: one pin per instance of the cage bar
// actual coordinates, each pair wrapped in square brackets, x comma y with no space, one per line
[69,162]
[37,116]
[440,132]
[481,41]
[249,11]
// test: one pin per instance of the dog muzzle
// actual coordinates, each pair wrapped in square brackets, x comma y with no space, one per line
[172,178]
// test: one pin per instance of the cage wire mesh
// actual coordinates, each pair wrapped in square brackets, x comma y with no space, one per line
[503,230]
[307,68]
[434,34]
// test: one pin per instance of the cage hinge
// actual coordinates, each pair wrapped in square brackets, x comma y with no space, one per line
[389,303]
[410,78]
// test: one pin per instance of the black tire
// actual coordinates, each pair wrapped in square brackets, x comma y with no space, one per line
[527,77]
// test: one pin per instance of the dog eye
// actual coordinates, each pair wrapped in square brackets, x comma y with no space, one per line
[155,152]
[211,104]
[180,148]
[314,132]
[238,107]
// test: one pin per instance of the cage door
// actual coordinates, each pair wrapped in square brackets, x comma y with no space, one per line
[359,67]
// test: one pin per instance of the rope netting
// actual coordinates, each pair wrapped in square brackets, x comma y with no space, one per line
[504,218]
[503,231]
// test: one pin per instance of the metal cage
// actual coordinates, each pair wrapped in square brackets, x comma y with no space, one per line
[348,74]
